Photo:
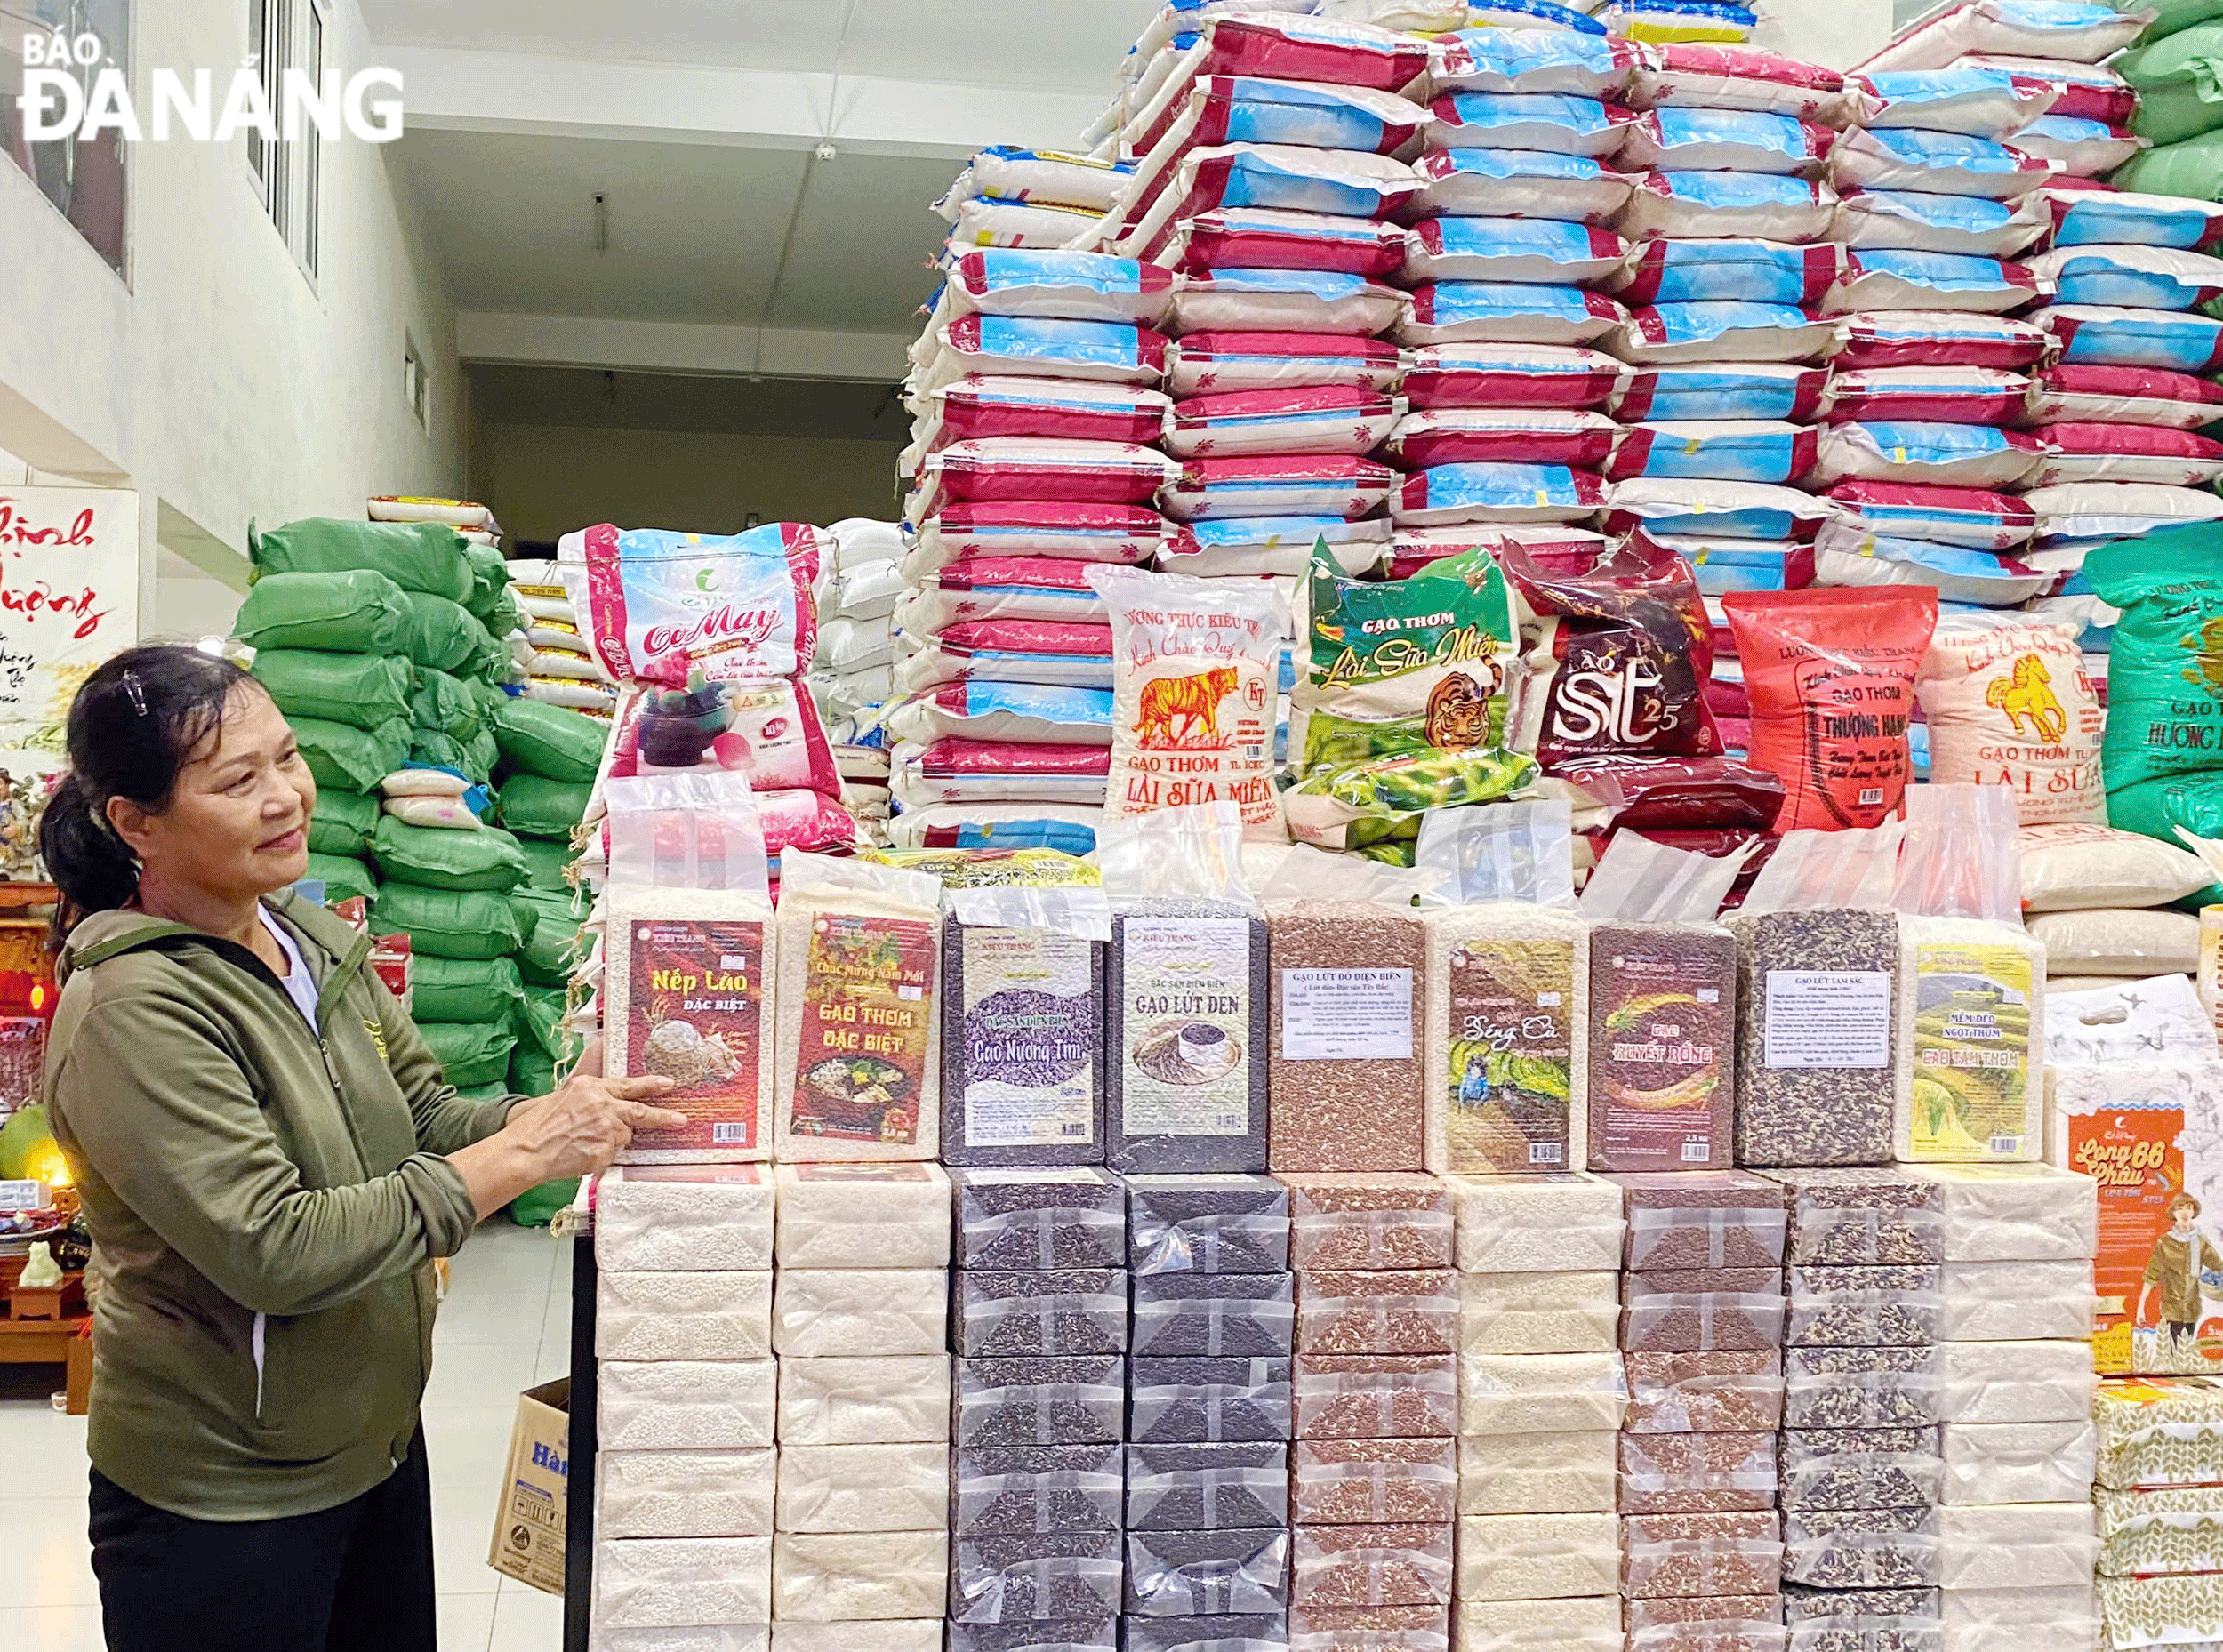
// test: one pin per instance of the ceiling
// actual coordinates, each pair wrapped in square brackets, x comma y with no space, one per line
[732,229]
[726,404]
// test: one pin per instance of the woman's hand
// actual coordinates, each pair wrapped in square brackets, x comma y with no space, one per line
[581,1130]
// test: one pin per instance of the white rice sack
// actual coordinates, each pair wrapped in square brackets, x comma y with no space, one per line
[1662,505]
[1722,331]
[1262,238]
[1694,140]
[1975,101]
[1316,419]
[867,592]
[2146,278]
[1227,363]
[2119,941]
[846,645]
[1517,436]
[1918,221]
[1454,496]
[456,513]
[1533,61]
[2008,702]
[1299,485]
[2102,510]
[1735,77]
[1510,249]
[1945,455]
[1934,395]
[1047,176]
[1059,285]
[1284,300]
[2146,396]
[2108,336]
[2082,148]
[1751,390]
[1066,826]
[1545,123]
[2086,216]
[1513,183]
[2067,30]
[2078,88]
[1340,182]
[1506,312]
[423,782]
[1846,553]
[2125,453]
[1936,163]
[2069,867]
[1885,278]
[1774,205]
[980,221]
[1275,547]
[1107,351]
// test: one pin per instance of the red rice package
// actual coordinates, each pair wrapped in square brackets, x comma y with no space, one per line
[1195,668]
[1687,794]
[769,732]
[1831,678]
[1620,663]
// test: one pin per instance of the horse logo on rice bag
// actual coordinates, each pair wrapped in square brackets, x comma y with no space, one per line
[1408,668]
[1195,664]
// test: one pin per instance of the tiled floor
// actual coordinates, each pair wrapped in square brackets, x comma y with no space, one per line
[506,1325]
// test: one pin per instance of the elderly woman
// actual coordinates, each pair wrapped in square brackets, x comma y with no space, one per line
[270,1161]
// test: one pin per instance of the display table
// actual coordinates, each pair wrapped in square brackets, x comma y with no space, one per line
[48,1328]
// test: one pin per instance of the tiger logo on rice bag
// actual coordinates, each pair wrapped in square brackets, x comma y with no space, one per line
[1183,710]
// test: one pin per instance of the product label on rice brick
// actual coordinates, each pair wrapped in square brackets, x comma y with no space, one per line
[694,1015]
[1186,1067]
[1972,1072]
[1030,1039]
[1660,1037]
[1511,1077]
[867,1011]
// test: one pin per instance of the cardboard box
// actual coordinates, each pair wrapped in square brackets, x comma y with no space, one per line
[528,1542]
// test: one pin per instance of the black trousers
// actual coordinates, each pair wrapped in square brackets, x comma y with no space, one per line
[356,1578]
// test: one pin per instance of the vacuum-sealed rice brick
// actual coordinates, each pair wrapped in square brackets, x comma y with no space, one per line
[1072,1634]
[1377,1311]
[2019,1463]
[1034,1576]
[677,1582]
[1863,1307]
[1570,1624]
[1024,1084]
[1360,1566]
[1027,1219]
[1662,1038]
[1377,1397]
[1347,1092]
[2158,1431]
[1539,1313]
[1539,1557]
[1196,1401]
[1996,1302]
[1851,1216]
[852,1402]
[656,1218]
[1189,1029]
[1696,1473]
[1703,1219]
[1189,1315]
[1040,1402]
[1193,1574]
[1732,1613]
[1207,1224]
[1721,1391]
[886,1634]
[683,1316]
[1817,1039]
[2019,1383]
[1375,1482]
[1539,1224]
[1070,1310]
[686,1404]
[1861,1548]
[1686,1555]
[2014,1213]
[834,1314]
[1509,1039]
[2173,1532]
[1005,1490]
[1539,1473]
[1861,1468]
[859,1216]
[2015,1546]
[1219,1486]
[1383,1220]
[1852,1388]
[1863,1620]
[684,1493]
[864,1488]
[1231,1631]
[1701,1321]
[1552,1394]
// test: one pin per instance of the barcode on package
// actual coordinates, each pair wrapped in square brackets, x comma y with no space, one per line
[1545,1152]
[1696,1152]
[729,1134]
[2005,1144]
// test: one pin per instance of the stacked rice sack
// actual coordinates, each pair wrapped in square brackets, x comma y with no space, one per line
[1014,197]
[708,638]
[1268,178]
[860,582]
[1037,419]
[551,647]
[2170,70]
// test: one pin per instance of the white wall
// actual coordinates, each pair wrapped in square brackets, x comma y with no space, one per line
[221,381]
[1839,33]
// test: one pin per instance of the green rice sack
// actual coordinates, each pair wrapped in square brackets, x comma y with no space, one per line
[471,1053]
[343,823]
[465,988]
[541,1024]
[482,753]
[2163,750]
[444,704]
[2180,83]
[442,858]
[490,577]
[552,945]
[359,610]
[531,1072]
[548,741]
[537,1206]
[451,923]
[364,690]
[2193,168]
[417,556]
[502,616]
[351,759]
[2172,16]
[443,635]
[533,805]
[478,1096]
[342,876]
[546,862]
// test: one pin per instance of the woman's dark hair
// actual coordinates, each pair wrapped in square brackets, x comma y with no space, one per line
[132,726]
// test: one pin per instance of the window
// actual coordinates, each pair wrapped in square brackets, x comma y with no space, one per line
[414,390]
[88,183]
[287,38]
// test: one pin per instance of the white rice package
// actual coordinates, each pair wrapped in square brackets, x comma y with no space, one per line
[1516,183]
[1936,163]
[1548,122]
[1976,101]
[863,1216]
[864,1488]
[683,1316]
[2064,1619]
[1943,455]
[1542,59]
[1537,1223]
[692,1638]
[1720,330]
[1777,206]
[1539,1473]
[1578,1623]
[2013,1212]
[2017,1545]
[1997,1301]
[1919,221]
[1070,286]
[1284,300]
[1735,77]
[2101,510]
[1510,249]
[1533,1556]
[662,1218]
[2067,29]
[2144,278]
[680,1583]
[886,1634]
[1111,352]
[1894,278]
[1697,140]
[1988,1463]
[834,1578]
[2041,1382]
[684,1493]
[866,1400]
[2081,148]
[1508,312]
[2068,869]
[2118,942]
[686,1404]
[849,1313]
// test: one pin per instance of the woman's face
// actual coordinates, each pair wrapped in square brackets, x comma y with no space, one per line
[237,823]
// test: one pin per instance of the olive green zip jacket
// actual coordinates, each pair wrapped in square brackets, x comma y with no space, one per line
[265,1203]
